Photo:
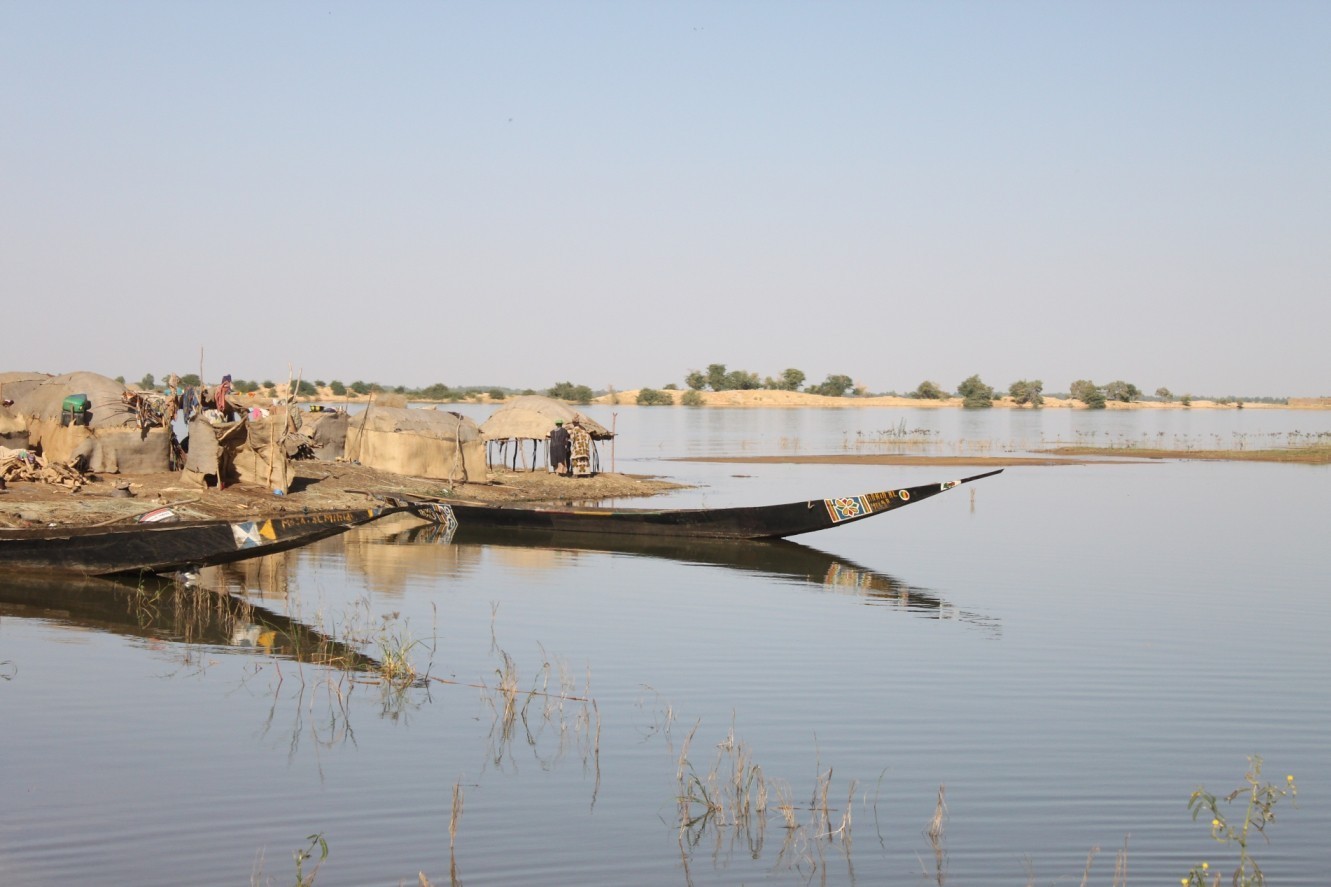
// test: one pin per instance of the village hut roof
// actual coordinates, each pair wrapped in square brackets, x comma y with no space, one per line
[105,399]
[426,422]
[14,385]
[532,416]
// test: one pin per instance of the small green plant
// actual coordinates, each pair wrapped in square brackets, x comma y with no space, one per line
[303,856]
[1258,813]
[692,398]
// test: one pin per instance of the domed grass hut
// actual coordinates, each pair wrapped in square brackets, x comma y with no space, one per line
[529,419]
[87,416]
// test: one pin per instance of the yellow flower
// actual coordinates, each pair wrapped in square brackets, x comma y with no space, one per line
[1205,866]
[1289,778]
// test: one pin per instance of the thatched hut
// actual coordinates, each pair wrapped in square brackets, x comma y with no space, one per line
[417,443]
[530,419]
[106,433]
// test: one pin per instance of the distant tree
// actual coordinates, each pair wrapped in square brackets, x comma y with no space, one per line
[833,386]
[400,389]
[1094,399]
[692,398]
[497,394]
[1165,394]
[1025,392]
[270,385]
[120,379]
[1083,388]
[360,387]
[695,380]
[302,388]
[147,382]
[338,389]
[244,386]
[649,397]
[791,380]
[929,391]
[1186,400]
[742,380]
[716,376]
[1124,392]
[975,394]
[319,383]
[437,391]
[570,392]
[191,379]
[670,386]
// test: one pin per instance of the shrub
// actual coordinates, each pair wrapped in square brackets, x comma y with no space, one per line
[650,397]
[975,394]
[570,392]
[1024,392]
[929,391]
[692,398]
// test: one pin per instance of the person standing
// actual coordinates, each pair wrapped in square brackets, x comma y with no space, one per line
[559,448]
[580,445]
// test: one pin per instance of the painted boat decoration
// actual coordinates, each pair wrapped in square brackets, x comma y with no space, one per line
[153,545]
[756,522]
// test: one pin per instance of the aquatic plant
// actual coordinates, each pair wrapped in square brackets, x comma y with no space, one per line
[1259,812]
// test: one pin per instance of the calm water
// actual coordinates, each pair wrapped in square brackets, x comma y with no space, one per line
[1069,652]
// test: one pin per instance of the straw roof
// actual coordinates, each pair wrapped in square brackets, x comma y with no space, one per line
[105,397]
[532,417]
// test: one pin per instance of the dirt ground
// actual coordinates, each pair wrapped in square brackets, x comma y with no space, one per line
[318,486]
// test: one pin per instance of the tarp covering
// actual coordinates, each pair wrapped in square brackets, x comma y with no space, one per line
[326,434]
[532,417]
[110,441]
[250,451]
[417,443]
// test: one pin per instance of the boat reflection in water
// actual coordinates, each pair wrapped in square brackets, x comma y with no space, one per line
[167,610]
[781,560]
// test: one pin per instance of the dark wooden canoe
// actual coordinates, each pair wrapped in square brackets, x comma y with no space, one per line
[756,522]
[179,545]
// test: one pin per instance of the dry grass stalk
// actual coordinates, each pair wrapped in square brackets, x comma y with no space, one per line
[456,815]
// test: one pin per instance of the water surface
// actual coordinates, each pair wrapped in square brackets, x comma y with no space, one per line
[1069,652]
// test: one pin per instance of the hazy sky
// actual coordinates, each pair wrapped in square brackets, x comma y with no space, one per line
[615,193]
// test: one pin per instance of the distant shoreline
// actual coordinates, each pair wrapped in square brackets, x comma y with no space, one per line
[763,398]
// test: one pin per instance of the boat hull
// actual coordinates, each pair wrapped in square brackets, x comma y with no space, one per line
[755,522]
[179,545]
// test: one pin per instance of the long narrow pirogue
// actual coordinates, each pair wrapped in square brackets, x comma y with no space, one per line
[178,545]
[756,522]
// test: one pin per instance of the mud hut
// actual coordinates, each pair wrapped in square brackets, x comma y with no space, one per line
[529,419]
[85,416]
[418,443]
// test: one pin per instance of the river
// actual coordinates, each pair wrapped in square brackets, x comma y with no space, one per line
[1065,653]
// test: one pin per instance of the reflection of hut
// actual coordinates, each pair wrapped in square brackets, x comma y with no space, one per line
[101,430]
[417,443]
[532,418]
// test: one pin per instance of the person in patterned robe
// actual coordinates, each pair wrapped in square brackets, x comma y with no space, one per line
[580,444]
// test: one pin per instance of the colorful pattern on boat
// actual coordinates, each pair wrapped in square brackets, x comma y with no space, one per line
[252,534]
[847,508]
[850,507]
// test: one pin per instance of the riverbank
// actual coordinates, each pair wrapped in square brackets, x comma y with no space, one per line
[318,486]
